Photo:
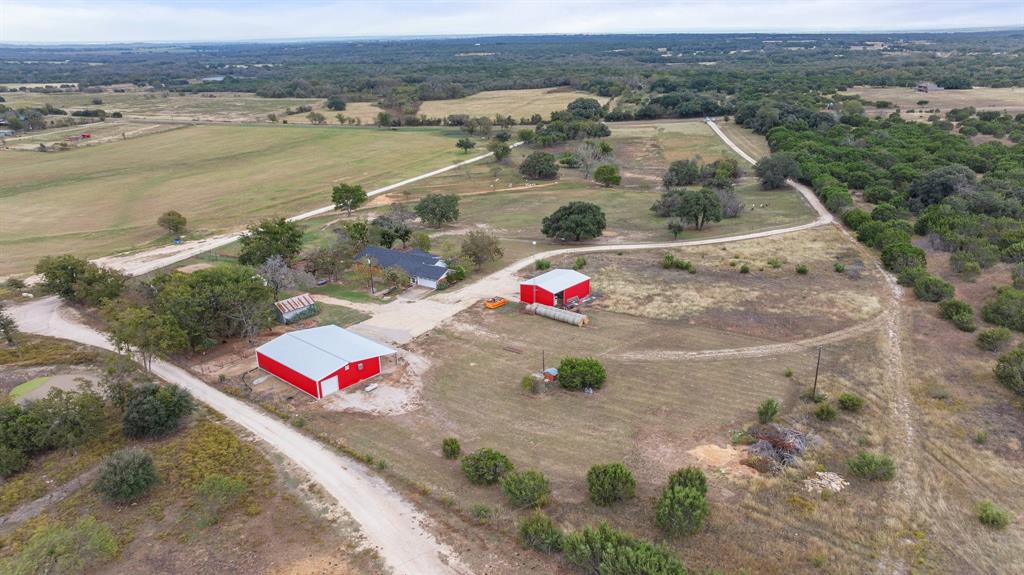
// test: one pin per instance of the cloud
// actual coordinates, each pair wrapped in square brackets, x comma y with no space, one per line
[188,20]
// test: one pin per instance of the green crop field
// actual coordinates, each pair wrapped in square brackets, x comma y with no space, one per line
[102,199]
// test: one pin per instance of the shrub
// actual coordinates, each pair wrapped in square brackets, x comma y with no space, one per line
[930,288]
[1018,276]
[56,547]
[767,411]
[1006,310]
[576,373]
[542,264]
[825,411]
[671,262]
[681,510]
[526,488]
[992,516]
[774,263]
[485,466]
[539,533]
[610,483]
[900,256]
[1010,369]
[579,264]
[958,312]
[850,402]
[840,268]
[855,217]
[690,477]
[482,513]
[539,166]
[12,460]
[217,493]
[801,269]
[995,339]
[872,467]
[608,551]
[153,410]
[126,476]
[744,269]
[450,448]
[788,372]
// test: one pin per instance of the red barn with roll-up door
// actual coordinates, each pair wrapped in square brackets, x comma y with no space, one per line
[322,360]
[555,287]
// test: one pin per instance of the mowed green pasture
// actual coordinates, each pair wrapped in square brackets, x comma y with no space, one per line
[518,214]
[103,199]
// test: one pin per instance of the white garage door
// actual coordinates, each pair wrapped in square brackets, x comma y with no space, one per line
[328,386]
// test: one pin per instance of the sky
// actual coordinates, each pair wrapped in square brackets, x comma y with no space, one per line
[98,21]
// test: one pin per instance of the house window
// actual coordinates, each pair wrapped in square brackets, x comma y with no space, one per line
[359,367]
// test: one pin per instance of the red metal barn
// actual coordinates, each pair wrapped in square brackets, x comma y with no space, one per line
[322,360]
[555,288]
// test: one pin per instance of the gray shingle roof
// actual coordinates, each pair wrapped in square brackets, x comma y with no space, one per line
[416,263]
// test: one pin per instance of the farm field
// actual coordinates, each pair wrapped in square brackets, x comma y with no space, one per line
[103,199]
[516,103]
[100,133]
[171,106]
[645,149]
[1009,99]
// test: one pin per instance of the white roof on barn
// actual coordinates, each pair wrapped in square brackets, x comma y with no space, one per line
[556,280]
[320,351]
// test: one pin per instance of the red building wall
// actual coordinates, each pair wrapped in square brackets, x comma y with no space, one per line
[543,296]
[288,374]
[353,375]
[580,290]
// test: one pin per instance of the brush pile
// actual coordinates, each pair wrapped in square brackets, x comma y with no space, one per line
[775,448]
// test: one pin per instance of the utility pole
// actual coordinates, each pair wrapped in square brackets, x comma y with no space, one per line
[543,362]
[535,262]
[369,269]
[814,394]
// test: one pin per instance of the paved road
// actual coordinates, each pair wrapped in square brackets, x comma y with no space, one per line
[391,524]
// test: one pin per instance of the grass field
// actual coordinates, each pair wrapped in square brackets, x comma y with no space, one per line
[102,199]
[100,133]
[227,106]
[518,214]
[1009,99]
[645,149]
[754,144]
[516,103]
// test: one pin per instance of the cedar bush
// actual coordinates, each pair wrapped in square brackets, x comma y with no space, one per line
[930,288]
[610,483]
[12,460]
[1010,369]
[959,312]
[539,533]
[872,467]
[607,551]
[451,448]
[681,510]
[900,256]
[485,466]
[767,411]
[690,477]
[1006,310]
[126,476]
[153,410]
[995,339]
[850,402]
[802,269]
[576,373]
[526,488]
[1018,276]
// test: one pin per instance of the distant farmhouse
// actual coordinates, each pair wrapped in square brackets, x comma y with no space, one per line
[926,87]
[424,268]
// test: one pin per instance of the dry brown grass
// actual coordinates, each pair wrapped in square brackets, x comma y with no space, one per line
[754,144]
[1009,99]
[516,103]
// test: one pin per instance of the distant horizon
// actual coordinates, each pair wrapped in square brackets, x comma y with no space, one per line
[74,22]
[312,39]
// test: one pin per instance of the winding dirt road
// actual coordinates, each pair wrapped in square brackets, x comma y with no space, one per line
[391,524]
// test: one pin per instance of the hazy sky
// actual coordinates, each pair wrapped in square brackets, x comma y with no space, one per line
[188,20]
